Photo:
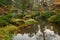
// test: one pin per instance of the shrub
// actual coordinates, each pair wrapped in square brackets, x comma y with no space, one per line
[47,14]
[6,33]
[54,18]
[5,19]
[19,16]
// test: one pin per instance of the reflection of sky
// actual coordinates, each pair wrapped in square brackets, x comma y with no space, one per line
[37,36]
[24,37]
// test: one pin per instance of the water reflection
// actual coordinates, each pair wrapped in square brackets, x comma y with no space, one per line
[49,35]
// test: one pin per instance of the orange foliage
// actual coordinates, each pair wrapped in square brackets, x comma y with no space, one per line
[2,10]
[57,0]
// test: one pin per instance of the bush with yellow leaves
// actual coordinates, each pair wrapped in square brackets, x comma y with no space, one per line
[6,33]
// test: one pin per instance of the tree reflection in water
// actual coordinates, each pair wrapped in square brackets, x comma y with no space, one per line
[49,35]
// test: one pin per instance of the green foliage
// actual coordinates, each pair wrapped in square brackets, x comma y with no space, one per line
[6,33]
[23,5]
[52,18]
[5,19]
[46,14]
[35,15]
[55,18]
[57,10]
[6,2]
[9,19]
[17,22]
[30,21]
[19,16]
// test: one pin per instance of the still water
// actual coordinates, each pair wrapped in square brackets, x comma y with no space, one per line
[35,34]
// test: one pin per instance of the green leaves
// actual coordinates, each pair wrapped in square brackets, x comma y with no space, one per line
[52,18]
[6,2]
[5,19]
[23,5]
[6,33]
[55,18]
[30,21]
[45,15]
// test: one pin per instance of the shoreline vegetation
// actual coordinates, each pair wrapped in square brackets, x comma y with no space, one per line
[19,15]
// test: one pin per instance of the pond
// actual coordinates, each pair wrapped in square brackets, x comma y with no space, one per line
[38,32]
